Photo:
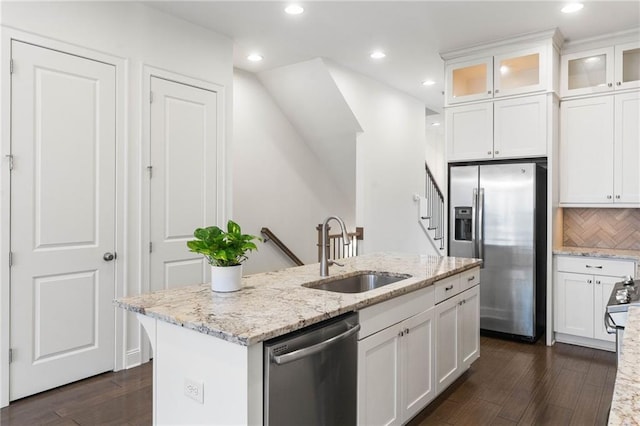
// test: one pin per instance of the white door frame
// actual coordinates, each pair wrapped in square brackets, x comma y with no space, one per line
[120,64]
[149,71]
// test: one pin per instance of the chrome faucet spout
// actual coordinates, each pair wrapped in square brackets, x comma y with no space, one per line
[325,262]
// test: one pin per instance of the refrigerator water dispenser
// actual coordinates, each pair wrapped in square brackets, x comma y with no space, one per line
[463,223]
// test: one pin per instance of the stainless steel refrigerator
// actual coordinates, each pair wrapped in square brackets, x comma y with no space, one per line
[497,212]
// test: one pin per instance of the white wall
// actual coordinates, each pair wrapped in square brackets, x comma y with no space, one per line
[435,149]
[141,36]
[278,181]
[390,162]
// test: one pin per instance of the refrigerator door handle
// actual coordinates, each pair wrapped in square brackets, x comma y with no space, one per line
[480,225]
[474,237]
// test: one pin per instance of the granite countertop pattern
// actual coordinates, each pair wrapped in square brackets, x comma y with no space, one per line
[600,252]
[275,303]
[625,406]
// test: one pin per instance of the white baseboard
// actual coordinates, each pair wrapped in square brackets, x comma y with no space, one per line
[585,341]
[134,358]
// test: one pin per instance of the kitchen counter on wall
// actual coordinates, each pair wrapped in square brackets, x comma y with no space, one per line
[275,303]
[600,252]
[625,406]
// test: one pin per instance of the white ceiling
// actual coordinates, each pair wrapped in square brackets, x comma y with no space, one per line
[412,33]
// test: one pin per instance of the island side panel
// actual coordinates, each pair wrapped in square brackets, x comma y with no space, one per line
[149,326]
[228,375]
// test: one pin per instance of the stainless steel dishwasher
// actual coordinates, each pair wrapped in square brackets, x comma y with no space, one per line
[310,376]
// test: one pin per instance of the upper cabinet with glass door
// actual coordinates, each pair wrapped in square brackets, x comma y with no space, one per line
[600,70]
[522,71]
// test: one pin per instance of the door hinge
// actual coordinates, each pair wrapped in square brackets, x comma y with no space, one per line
[10,159]
[150,170]
[150,97]
[10,355]
[150,247]
[11,66]
[10,259]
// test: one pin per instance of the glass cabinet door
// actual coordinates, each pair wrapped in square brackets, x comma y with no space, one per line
[587,72]
[519,72]
[469,81]
[627,65]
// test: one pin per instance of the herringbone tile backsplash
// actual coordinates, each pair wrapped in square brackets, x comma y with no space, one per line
[602,228]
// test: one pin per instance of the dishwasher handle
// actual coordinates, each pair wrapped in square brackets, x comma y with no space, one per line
[310,350]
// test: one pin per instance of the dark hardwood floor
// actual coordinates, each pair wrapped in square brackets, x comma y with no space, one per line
[512,383]
[518,383]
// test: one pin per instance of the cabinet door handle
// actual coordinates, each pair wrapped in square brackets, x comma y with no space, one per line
[609,197]
[497,91]
[617,197]
[401,333]
[406,331]
[609,84]
[489,152]
[488,92]
[471,278]
[619,83]
[589,281]
[594,266]
[598,282]
[448,288]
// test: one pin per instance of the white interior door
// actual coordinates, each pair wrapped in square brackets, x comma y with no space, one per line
[183,184]
[62,218]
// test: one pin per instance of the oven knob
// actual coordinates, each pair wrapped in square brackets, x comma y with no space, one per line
[627,280]
[622,296]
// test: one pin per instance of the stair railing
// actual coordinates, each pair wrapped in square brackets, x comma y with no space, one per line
[270,236]
[337,248]
[432,211]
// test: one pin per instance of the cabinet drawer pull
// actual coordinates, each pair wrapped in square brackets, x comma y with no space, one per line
[594,266]
[471,278]
[448,288]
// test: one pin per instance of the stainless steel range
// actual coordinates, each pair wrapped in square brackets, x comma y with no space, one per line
[624,294]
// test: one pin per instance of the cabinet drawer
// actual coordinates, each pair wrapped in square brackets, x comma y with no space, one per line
[469,278]
[378,317]
[596,266]
[447,288]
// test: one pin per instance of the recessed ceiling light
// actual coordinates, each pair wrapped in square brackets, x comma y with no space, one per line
[294,9]
[428,83]
[378,54]
[572,7]
[254,57]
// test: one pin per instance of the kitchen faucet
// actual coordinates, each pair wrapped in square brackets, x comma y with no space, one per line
[325,262]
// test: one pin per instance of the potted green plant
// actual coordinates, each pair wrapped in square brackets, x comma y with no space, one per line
[225,252]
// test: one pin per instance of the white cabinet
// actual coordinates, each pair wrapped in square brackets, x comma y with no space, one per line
[600,150]
[518,72]
[395,371]
[399,346]
[582,289]
[600,70]
[457,336]
[507,128]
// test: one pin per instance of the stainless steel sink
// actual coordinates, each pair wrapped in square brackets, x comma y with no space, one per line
[359,283]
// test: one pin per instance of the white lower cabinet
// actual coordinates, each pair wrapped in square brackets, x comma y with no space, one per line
[582,289]
[395,371]
[405,343]
[457,336]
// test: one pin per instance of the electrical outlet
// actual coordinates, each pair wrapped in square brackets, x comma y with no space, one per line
[194,389]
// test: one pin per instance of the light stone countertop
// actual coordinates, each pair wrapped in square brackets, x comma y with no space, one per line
[600,252]
[272,304]
[625,407]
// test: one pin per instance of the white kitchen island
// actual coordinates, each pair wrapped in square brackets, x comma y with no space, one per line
[209,345]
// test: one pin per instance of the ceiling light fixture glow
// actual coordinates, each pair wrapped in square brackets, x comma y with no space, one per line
[504,69]
[428,83]
[294,9]
[254,57]
[378,54]
[572,7]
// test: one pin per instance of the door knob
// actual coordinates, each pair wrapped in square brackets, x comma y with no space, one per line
[108,257]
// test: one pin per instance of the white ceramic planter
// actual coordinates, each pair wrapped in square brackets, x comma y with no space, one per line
[225,279]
